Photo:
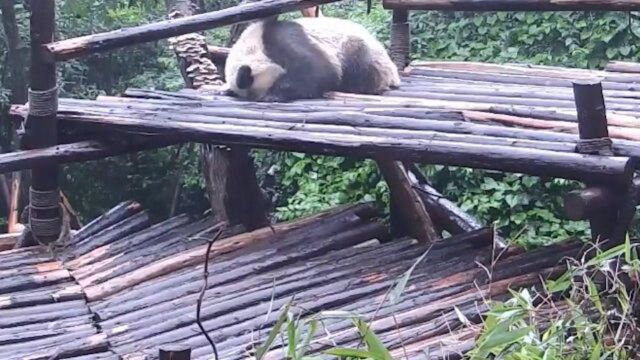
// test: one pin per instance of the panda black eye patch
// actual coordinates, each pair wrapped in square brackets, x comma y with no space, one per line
[244,79]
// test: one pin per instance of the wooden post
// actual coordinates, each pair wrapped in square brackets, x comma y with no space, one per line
[41,128]
[594,139]
[407,209]
[400,39]
[175,352]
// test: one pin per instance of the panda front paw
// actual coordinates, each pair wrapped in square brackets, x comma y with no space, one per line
[272,98]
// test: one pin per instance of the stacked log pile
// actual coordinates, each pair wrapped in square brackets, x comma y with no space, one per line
[338,260]
[43,314]
[139,283]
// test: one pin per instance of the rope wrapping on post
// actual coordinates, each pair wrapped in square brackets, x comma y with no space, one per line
[55,227]
[400,41]
[600,146]
[43,103]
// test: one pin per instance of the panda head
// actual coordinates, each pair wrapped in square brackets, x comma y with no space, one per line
[252,80]
[249,72]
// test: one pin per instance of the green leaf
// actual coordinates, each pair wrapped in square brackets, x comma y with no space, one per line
[350,353]
[374,345]
[401,284]
[275,330]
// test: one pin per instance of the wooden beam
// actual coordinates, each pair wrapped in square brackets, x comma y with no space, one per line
[72,48]
[514,5]
[76,152]
[623,67]
[407,203]
[612,169]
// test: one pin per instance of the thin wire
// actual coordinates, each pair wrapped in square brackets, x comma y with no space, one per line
[204,288]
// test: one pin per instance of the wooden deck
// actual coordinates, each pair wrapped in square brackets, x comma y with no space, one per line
[512,118]
[124,287]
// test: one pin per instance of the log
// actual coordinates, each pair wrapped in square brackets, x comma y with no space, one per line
[43,313]
[378,263]
[233,276]
[134,240]
[194,256]
[232,311]
[168,245]
[126,227]
[623,66]
[518,160]
[8,241]
[30,281]
[587,203]
[76,152]
[445,213]
[45,295]
[408,204]
[227,297]
[115,215]
[72,48]
[507,78]
[416,119]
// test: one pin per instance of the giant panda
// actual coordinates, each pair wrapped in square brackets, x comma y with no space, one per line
[279,61]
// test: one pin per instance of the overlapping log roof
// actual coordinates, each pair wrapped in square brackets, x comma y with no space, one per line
[124,287]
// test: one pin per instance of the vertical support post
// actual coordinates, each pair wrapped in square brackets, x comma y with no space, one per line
[594,139]
[400,39]
[175,352]
[41,128]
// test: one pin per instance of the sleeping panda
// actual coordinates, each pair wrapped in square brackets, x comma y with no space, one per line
[279,61]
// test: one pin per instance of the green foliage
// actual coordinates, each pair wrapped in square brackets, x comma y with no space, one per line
[598,322]
[296,334]
[524,208]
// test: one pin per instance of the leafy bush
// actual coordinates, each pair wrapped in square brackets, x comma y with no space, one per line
[599,319]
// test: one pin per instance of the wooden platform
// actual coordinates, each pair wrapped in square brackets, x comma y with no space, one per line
[511,118]
[124,287]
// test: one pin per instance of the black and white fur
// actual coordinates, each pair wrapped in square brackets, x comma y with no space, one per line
[277,60]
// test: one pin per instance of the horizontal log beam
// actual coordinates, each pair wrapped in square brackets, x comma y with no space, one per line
[77,152]
[565,165]
[73,48]
[514,5]
[623,67]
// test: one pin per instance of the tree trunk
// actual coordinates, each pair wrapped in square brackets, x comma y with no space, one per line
[232,186]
